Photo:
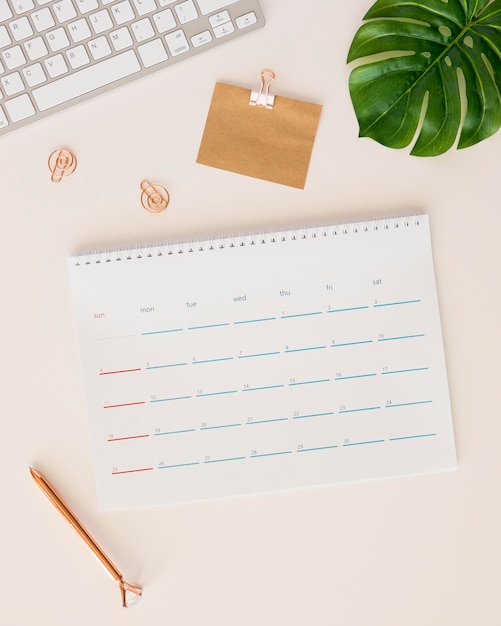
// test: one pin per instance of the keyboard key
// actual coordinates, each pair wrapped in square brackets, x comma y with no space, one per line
[144,6]
[209,6]
[12,84]
[78,57]
[64,11]
[86,6]
[21,6]
[219,18]
[79,30]
[101,21]
[42,19]
[58,39]
[5,12]
[177,43]
[13,57]
[152,53]
[186,12]
[246,20]
[143,30]
[223,30]
[20,108]
[99,48]
[5,39]
[201,39]
[86,80]
[122,12]
[56,66]
[34,75]
[121,39]
[36,48]
[21,28]
[164,21]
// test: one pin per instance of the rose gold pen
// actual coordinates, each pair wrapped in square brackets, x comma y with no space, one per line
[130,593]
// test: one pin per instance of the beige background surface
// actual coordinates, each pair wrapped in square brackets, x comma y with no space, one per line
[416,552]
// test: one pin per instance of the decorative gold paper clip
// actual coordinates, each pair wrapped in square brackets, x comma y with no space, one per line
[62,163]
[130,594]
[263,98]
[154,197]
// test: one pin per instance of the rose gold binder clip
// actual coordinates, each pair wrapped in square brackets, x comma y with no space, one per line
[62,163]
[263,98]
[154,197]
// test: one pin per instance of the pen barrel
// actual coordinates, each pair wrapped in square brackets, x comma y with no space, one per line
[95,548]
[73,521]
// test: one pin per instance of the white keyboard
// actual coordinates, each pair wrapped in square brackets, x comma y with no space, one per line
[54,53]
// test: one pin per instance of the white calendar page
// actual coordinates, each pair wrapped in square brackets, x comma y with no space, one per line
[268,362]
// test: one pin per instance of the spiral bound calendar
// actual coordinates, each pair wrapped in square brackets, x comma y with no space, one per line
[258,363]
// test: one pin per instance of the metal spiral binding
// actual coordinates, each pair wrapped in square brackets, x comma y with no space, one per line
[240,241]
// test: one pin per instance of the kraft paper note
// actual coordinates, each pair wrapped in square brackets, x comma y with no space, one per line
[273,144]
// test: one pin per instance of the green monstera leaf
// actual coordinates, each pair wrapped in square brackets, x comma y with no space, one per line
[437,69]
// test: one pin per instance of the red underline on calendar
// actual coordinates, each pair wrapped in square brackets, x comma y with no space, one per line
[132,471]
[116,406]
[135,369]
[126,438]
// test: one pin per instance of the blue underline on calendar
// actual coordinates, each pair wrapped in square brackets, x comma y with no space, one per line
[160,332]
[390,406]
[285,317]
[367,408]
[220,426]
[178,465]
[310,382]
[226,358]
[355,376]
[255,456]
[351,308]
[396,303]
[157,367]
[216,393]
[362,443]
[317,449]
[305,349]
[269,421]
[413,437]
[302,417]
[262,388]
[233,458]
[351,343]
[169,399]
[413,369]
[175,432]
[208,326]
[250,356]
[401,337]
[261,319]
